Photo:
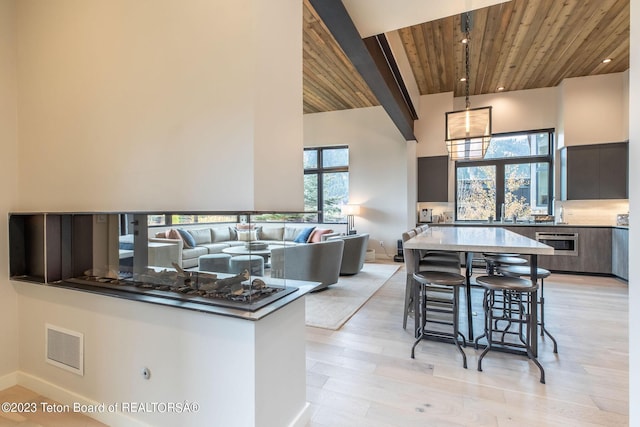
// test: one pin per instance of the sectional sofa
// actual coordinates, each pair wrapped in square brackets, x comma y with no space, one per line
[192,243]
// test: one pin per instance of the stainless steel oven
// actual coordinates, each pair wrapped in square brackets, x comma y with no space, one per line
[563,243]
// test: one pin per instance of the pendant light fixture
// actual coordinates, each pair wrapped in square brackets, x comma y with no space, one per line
[468,131]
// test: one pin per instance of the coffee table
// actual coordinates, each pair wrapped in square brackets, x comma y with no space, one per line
[242,250]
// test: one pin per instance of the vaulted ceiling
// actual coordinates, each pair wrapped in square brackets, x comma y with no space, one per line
[517,45]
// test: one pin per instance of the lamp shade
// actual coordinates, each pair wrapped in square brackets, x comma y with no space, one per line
[350,209]
[468,133]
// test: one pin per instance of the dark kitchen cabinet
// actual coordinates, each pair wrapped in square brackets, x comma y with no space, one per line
[620,253]
[433,178]
[596,171]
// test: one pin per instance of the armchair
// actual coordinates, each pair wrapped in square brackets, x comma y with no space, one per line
[354,254]
[314,262]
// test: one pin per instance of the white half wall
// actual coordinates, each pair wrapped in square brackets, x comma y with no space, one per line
[8,187]
[239,372]
[378,180]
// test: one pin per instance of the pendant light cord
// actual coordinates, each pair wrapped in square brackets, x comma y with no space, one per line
[466,59]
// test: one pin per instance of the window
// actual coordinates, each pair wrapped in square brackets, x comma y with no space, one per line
[515,178]
[180,219]
[326,182]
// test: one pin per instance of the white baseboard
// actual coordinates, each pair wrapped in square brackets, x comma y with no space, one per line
[8,380]
[67,397]
[303,417]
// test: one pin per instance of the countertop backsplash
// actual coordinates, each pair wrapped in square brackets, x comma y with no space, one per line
[577,212]
[592,212]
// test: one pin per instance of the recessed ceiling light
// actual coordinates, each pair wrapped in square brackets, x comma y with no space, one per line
[606,60]
[500,88]
[463,79]
[464,40]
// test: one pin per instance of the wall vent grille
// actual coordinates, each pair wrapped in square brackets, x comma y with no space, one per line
[65,349]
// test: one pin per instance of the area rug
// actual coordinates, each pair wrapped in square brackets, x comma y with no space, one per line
[333,307]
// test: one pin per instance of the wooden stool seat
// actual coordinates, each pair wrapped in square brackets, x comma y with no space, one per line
[442,278]
[501,259]
[506,283]
[523,270]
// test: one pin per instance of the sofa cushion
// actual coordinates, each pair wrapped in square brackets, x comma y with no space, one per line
[193,253]
[162,234]
[272,233]
[201,235]
[189,241]
[214,248]
[303,236]
[316,235]
[222,234]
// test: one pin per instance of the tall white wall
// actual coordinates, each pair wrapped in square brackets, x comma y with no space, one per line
[377,169]
[8,187]
[634,207]
[429,128]
[158,104]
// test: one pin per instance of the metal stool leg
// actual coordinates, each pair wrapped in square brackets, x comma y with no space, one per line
[543,329]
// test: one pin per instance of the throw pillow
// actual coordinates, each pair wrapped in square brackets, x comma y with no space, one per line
[173,234]
[290,233]
[233,233]
[162,234]
[247,235]
[317,234]
[245,226]
[304,235]
[189,241]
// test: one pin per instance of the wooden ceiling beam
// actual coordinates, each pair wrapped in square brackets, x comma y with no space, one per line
[361,53]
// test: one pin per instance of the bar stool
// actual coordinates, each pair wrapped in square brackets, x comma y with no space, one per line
[449,264]
[514,308]
[494,260]
[541,273]
[439,294]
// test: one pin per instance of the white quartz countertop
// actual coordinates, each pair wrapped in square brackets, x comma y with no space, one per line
[476,239]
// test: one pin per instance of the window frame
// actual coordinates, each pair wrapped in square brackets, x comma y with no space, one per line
[319,171]
[501,164]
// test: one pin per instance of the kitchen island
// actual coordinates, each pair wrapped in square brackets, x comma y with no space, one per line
[470,240]
[599,249]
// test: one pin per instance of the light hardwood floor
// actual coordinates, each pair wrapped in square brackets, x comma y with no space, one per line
[362,375]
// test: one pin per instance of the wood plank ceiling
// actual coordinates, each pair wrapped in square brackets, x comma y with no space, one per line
[517,45]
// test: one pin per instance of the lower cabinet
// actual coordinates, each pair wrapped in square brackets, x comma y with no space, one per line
[620,253]
[594,249]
